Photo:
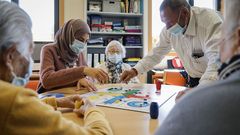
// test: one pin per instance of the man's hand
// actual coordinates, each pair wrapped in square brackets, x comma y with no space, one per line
[68,102]
[97,73]
[181,93]
[85,106]
[127,75]
[84,84]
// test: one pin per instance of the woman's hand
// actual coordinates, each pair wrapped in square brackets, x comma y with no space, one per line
[84,108]
[97,73]
[68,102]
[84,84]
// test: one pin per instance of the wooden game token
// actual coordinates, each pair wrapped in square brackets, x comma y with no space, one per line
[78,104]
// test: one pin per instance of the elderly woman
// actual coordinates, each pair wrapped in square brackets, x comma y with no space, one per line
[21,110]
[114,66]
[63,63]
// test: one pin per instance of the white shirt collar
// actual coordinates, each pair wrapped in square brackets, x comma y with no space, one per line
[191,28]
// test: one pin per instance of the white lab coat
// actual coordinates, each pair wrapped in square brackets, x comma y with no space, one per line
[202,34]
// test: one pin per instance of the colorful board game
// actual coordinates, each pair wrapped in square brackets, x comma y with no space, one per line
[129,98]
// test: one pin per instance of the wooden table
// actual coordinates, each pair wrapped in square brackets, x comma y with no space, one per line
[125,122]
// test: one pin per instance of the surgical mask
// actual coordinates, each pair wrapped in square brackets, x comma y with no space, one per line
[20,81]
[176,29]
[77,46]
[115,58]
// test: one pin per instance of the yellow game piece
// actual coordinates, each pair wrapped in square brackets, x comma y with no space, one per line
[78,104]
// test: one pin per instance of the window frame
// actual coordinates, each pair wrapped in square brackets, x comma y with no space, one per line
[56,19]
[217,4]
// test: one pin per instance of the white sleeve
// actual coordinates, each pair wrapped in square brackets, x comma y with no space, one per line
[212,53]
[156,54]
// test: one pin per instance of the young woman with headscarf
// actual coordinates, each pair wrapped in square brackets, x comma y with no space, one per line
[63,63]
[114,66]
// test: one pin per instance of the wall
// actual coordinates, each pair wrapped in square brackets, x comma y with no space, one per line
[73,9]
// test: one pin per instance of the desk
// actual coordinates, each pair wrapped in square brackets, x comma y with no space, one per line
[125,122]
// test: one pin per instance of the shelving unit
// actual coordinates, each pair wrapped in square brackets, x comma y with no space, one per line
[115,33]
[115,14]
[131,19]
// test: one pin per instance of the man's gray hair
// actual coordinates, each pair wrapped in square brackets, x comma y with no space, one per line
[231,15]
[15,27]
[174,5]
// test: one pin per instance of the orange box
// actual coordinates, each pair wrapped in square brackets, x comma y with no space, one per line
[173,77]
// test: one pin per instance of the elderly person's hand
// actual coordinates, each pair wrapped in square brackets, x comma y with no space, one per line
[127,75]
[84,107]
[181,94]
[84,84]
[97,73]
[68,102]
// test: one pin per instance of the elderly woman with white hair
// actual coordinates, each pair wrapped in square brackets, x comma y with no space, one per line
[114,66]
[22,112]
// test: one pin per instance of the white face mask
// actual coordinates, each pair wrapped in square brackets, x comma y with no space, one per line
[20,81]
[115,58]
[77,46]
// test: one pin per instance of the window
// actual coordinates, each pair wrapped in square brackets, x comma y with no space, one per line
[42,15]
[205,3]
[157,24]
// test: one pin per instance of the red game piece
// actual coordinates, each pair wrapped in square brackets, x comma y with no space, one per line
[158,85]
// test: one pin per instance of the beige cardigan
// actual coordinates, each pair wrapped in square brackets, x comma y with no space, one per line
[22,113]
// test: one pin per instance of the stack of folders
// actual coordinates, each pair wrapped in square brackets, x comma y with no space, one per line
[94,59]
[131,6]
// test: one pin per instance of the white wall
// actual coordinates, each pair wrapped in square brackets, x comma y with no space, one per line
[73,9]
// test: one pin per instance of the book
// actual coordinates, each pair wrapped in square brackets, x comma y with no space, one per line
[135,6]
[131,6]
[95,59]
[126,5]
[123,9]
[89,59]
[102,58]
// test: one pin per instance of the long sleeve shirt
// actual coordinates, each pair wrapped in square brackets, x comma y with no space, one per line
[202,35]
[22,113]
[54,73]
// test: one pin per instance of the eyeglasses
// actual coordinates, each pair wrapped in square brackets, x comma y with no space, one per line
[115,51]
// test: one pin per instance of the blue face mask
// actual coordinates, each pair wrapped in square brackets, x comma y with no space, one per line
[177,29]
[77,46]
[115,58]
[19,81]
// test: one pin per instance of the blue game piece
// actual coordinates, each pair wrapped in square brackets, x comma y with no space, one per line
[154,110]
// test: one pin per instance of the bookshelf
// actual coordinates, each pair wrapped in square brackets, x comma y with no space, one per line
[114,24]
[115,33]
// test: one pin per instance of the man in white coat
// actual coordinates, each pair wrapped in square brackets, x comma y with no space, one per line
[193,33]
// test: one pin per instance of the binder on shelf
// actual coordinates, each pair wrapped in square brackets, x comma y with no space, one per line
[102,58]
[95,59]
[131,6]
[89,60]
[126,5]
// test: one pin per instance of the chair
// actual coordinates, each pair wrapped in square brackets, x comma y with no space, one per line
[32,84]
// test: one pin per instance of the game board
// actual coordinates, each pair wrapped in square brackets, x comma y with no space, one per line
[135,99]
